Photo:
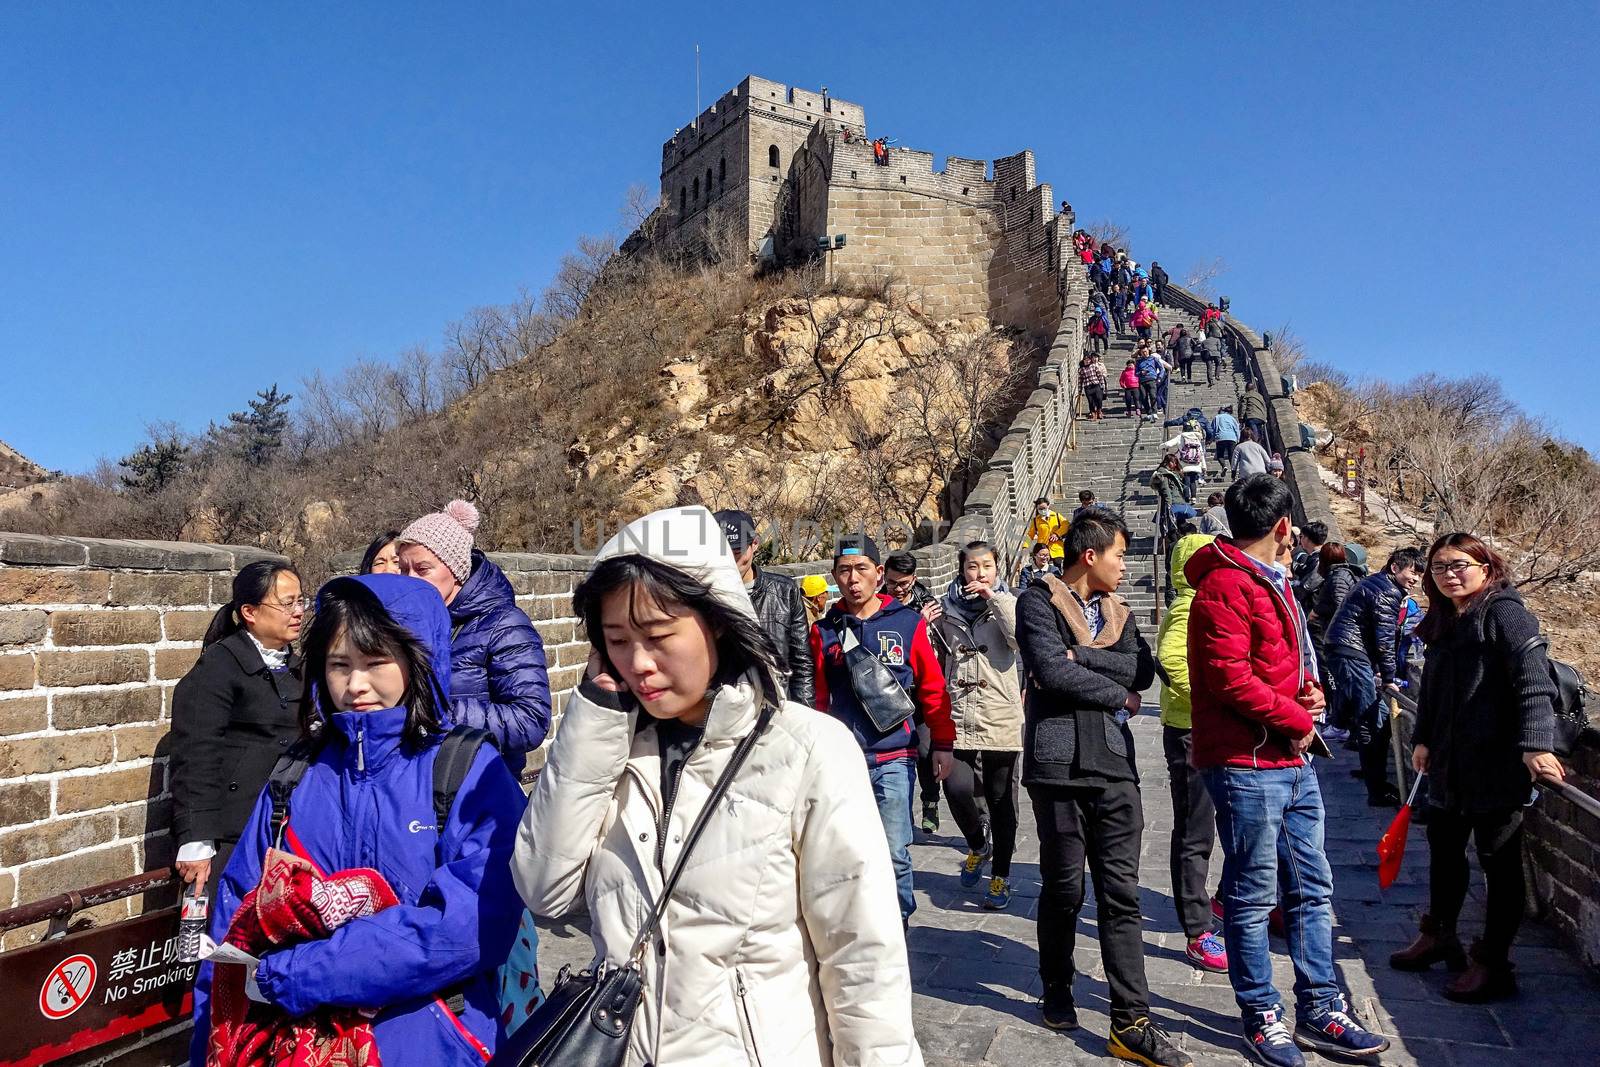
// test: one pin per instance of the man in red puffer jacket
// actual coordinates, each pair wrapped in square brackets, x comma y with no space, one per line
[1253,678]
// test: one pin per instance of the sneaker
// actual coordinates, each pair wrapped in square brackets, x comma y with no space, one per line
[1331,1031]
[930,818]
[1335,736]
[1059,1011]
[999,895]
[1268,1040]
[972,869]
[1217,911]
[1207,953]
[1145,1042]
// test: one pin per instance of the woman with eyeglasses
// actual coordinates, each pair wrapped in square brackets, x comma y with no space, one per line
[1484,733]
[233,715]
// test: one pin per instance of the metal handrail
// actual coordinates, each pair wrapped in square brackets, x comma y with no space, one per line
[65,905]
[1572,795]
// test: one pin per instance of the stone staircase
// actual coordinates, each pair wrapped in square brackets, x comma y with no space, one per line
[1114,458]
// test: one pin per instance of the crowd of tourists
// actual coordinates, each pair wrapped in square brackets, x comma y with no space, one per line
[735,785]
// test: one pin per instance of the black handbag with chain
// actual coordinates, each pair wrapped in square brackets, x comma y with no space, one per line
[586,1019]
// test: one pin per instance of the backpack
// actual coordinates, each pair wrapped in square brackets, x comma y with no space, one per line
[456,753]
[1572,718]
[1189,453]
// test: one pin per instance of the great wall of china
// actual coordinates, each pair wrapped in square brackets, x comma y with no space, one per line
[94,634]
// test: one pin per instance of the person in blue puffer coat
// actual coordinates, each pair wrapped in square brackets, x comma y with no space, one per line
[377,669]
[498,680]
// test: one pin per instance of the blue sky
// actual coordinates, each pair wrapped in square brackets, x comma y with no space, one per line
[199,200]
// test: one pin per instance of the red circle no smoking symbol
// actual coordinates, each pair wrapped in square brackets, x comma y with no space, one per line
[66,989]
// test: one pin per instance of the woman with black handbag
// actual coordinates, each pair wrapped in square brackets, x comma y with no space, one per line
[723,839]
[1485,729]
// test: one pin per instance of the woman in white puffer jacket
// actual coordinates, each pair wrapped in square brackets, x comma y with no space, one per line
[789,898]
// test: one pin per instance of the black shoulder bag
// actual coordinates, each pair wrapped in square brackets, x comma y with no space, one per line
[586,1019]
[1572,718]
[886,703]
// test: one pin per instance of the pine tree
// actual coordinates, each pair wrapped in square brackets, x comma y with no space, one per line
[256,435]
[155,465]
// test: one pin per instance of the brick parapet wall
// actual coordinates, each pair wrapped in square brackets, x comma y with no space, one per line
[1563,844]
[94,635]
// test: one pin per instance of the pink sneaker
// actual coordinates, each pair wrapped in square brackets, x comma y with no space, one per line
[1206,952]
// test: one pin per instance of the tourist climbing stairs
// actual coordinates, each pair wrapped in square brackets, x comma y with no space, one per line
[1114,457]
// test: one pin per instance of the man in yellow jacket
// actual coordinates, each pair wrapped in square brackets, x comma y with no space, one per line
[1194,824]
[1048,527]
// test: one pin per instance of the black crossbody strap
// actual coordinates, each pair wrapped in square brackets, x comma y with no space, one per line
[718,791]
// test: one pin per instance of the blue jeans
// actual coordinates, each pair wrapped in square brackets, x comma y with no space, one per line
[891,786]
[1356,704]
[1270,825]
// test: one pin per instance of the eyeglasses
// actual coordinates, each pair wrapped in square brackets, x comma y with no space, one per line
[301,604]
[1457,567]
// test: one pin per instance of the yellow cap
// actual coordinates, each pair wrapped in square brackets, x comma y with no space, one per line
[813,585]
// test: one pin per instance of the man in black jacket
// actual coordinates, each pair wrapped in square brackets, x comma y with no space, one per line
[1086,664]
[1361,643]
[1158,281]
[779,606]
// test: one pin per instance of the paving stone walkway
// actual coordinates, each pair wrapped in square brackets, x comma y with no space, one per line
[976,974]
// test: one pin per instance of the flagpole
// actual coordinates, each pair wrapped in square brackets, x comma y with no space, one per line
[697,83]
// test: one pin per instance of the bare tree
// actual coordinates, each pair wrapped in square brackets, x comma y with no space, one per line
[1201,280]
[1108,230]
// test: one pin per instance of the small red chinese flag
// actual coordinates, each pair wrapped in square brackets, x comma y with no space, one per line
[1392,846]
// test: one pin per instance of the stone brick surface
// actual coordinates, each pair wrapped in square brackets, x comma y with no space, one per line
[24,802]
[17,671]
[28,585]
[21,715]
[105,707]
[174,663]
[55,838]
[96,667]
[69,628]
[90,791]
[22,627]
[185,625]
[39,880]
[159,589]
[56,752]
[139,742]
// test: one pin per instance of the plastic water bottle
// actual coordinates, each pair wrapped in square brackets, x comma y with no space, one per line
[192,927]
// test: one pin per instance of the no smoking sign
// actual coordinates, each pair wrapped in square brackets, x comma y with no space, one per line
[67,988]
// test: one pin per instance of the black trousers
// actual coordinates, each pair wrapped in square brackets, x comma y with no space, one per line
[1147,397]
[927,784]
[1096,395]
[1498,837]
[1194,834]
[1103,825]
[988,776]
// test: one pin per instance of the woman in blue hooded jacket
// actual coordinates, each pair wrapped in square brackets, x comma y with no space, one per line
[377,669]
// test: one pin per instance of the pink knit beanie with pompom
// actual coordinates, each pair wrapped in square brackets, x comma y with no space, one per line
[448,535]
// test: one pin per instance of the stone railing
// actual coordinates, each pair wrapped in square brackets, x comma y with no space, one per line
[1283,424]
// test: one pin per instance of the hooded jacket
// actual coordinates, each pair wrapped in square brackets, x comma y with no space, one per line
[1172,640]
[898,634]
[1245,663]
[980,668]
[1367,624]
[786,905]
[1252,405]
[498,680]
[366,800]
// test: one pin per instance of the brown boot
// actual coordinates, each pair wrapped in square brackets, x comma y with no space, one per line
[1434,944]
[1484,980]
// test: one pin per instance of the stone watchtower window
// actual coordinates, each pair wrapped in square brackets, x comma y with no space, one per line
[772,155]
[722,170]
[697,190]
[683,201]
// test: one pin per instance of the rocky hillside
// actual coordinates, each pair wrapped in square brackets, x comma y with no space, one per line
[798,400]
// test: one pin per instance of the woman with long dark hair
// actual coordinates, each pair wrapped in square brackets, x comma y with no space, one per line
[382,555]
[233,715]
[781,942]
[420,976]
[1485,728]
